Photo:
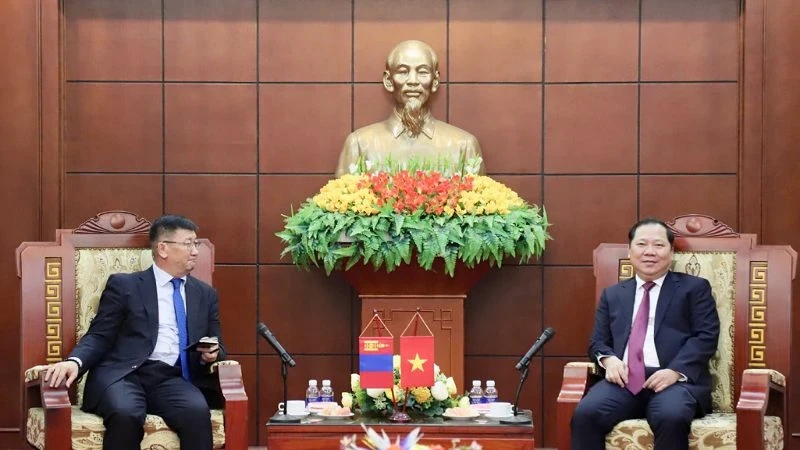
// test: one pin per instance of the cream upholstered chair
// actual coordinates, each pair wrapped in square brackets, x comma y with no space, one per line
[61,286]
[751,285]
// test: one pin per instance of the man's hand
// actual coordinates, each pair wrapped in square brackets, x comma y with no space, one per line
[61,371]
[616,371]
[209,354]
[662,379]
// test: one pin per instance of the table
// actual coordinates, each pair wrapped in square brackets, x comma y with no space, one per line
[314,433]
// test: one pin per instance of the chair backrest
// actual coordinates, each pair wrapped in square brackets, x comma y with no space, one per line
[751,285]
[62,280]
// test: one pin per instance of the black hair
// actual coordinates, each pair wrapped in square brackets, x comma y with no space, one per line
[169,224]
[651,221]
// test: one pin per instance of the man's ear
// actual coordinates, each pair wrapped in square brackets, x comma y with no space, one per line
[435,84]
[387,81]
[160,251]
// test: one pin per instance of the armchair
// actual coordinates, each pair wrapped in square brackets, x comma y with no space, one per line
[61,283]
[751,285]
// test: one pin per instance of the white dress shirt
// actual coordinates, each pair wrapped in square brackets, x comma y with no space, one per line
[167,344]
[650,353]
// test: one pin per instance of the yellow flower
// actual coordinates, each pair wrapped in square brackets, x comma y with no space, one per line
[343,195]
[399,394]
[421,394]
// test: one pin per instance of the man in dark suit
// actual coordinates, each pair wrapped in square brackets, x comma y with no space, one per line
[136,346]
[654,335]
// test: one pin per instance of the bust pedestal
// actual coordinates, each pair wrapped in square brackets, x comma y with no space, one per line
[439,297]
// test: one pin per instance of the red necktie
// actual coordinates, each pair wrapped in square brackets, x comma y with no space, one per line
[636,342]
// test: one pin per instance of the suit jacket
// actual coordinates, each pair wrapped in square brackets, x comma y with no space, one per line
[123,334]
[686,328]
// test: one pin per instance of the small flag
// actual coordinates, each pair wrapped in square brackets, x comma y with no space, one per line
[375,362]
[416,357]
[375,356]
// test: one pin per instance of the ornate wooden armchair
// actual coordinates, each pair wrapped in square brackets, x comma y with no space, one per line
[61,286]
[751,284]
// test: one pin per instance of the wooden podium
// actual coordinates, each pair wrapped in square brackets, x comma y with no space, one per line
[439,297]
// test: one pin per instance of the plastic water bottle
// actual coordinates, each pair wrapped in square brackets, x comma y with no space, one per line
[490,394]
[312,393]
[326,393]
[476,393]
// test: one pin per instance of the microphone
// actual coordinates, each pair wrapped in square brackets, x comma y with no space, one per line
[266,334]
[526,360]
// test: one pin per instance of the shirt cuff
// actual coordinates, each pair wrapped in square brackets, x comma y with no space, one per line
[77,360]
[600,359]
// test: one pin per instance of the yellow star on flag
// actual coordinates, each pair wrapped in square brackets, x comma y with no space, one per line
[417,363]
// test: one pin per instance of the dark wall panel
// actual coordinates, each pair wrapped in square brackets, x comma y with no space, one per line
[781,217]
[20,181]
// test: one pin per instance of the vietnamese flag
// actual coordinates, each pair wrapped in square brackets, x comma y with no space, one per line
[375,364]
[416,361]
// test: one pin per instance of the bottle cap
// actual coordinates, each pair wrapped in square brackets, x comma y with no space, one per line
[326,382]
[490,383]
[476,383]
[312,382]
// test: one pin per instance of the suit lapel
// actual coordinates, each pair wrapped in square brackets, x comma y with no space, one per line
[149,296]
[193,298]
[664,298]
[626,305]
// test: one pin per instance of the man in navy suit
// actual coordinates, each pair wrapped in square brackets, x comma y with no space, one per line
[136,346]
[656,362]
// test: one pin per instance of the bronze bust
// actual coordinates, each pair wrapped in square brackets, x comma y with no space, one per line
[411,132]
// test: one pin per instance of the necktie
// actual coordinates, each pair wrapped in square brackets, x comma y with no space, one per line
[636,342]
[183,332]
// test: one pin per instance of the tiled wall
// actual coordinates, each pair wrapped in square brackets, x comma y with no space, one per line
[231,112]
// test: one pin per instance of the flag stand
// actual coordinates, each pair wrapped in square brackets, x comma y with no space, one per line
[402,416]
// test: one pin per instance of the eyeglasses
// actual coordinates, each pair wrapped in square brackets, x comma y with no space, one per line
[187,244]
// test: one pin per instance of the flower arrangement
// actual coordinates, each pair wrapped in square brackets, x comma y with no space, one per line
[375,441]
[428,401]
[382,218]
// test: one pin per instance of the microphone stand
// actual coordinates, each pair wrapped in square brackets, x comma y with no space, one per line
[517,418]
[281,416]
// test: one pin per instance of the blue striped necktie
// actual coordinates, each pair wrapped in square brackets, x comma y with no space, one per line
[183,332]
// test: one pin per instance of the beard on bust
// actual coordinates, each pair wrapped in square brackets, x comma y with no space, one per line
[413,116]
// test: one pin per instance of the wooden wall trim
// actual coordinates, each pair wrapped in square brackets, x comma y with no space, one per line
[51,78]
[751,134]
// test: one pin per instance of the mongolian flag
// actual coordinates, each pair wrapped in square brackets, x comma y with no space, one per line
[416,357]
[375,355]
[375,361]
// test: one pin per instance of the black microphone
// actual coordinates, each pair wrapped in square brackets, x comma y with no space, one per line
[526,360]
[266,334]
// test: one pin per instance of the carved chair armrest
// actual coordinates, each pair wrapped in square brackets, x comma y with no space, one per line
[56,404]
[236,410]
[763,394]
[578,378]
[41,394]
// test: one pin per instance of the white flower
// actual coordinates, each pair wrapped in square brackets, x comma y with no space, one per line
[380,403]
[436,370]
[353,168]
[398,393]
[439,391]
[375,393]
[396,362]
[451,386]
[355,382]
[464,402]
[347,400]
